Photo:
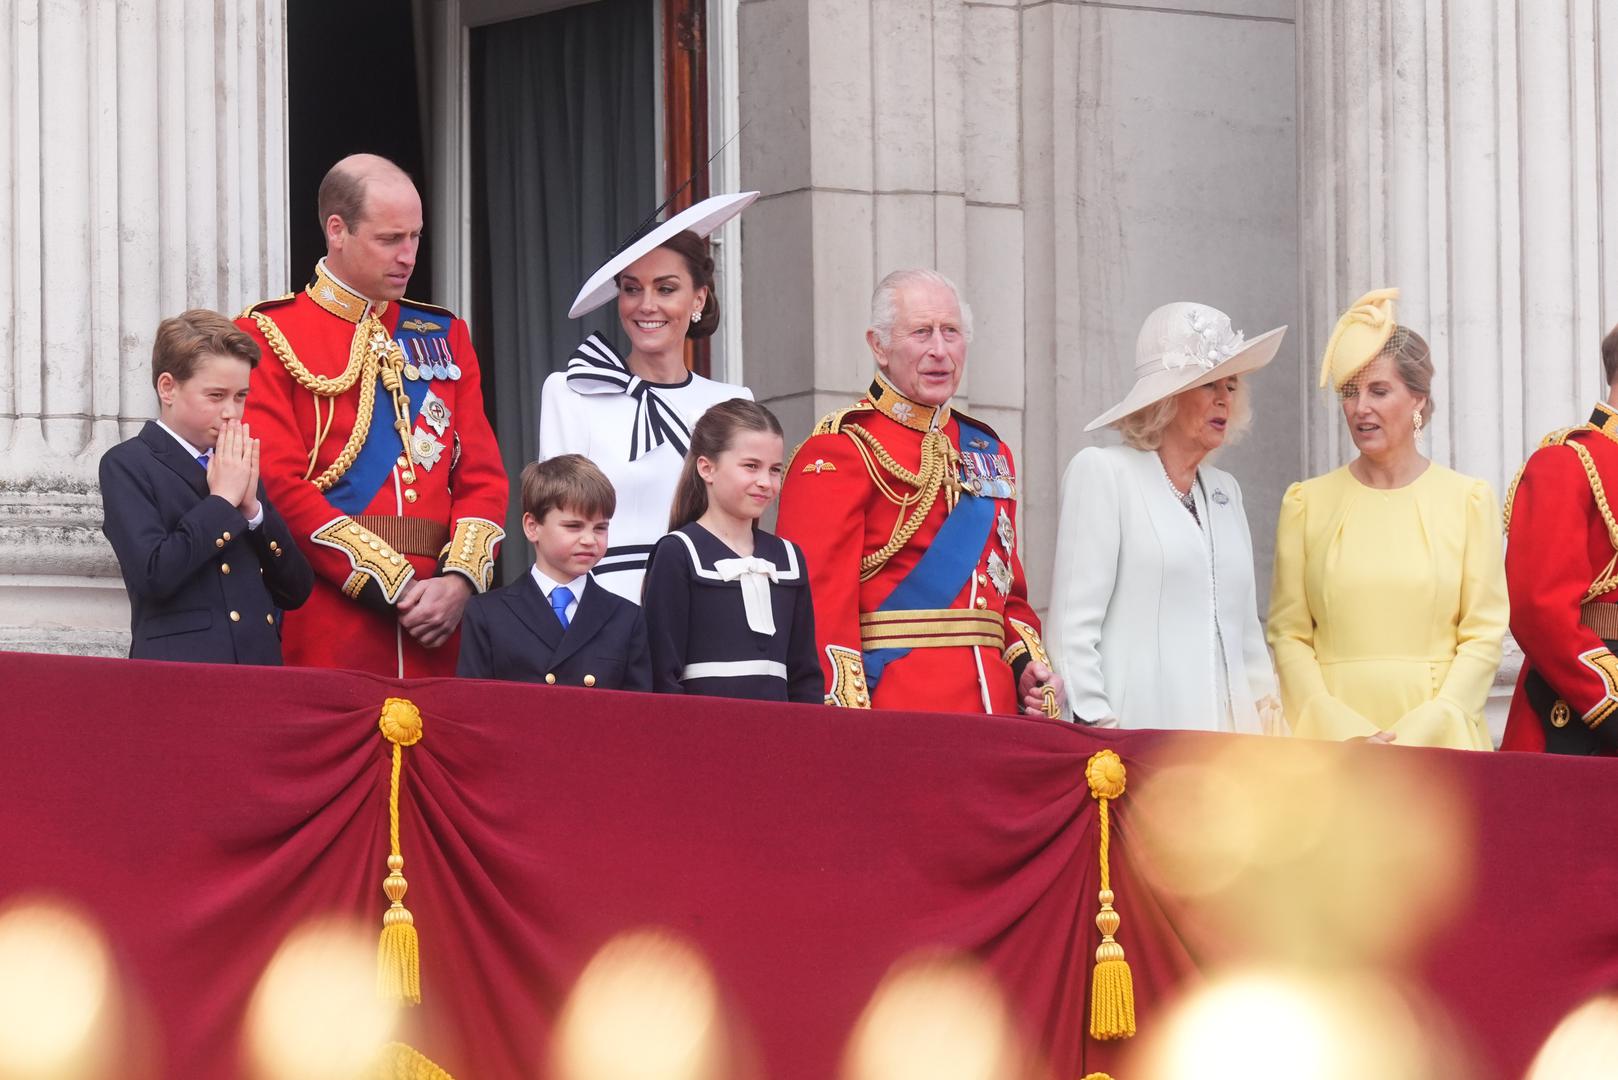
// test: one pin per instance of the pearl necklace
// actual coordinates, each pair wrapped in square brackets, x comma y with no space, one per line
[1185,498]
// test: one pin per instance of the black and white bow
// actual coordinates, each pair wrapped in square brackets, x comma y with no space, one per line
[595,369]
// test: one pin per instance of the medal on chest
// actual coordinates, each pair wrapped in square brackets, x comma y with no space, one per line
[987,475]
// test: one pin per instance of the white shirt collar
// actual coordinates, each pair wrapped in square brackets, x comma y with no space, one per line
[546,584]
[193,451]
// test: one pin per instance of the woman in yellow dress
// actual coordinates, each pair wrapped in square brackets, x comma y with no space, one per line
[1389,600]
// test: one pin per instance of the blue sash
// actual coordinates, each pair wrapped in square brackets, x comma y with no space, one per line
[947,564]
[373,466]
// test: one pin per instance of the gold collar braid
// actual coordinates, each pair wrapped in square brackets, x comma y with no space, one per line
[901,410]
[333,296]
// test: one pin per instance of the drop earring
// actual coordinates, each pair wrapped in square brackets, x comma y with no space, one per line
[1416,419]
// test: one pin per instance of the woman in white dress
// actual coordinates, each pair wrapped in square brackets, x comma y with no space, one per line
[1154,614]
[633,415]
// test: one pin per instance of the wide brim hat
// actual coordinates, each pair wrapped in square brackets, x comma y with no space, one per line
[704,218]
[1185,345]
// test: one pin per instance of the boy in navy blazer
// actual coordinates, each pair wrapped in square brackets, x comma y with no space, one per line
[208,563]
[555,624]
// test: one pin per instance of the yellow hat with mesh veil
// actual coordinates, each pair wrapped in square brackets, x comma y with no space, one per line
[1360,336]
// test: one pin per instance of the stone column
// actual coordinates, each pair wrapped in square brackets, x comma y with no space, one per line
[884,134]
[1468,158]
[142,172]
[1159,161]
[1468,155]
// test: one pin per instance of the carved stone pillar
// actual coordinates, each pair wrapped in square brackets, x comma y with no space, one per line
[1469,155]
[142,172]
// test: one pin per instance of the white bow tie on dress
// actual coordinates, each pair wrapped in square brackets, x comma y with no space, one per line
[755,575]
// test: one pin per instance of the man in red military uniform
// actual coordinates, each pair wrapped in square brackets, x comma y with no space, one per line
[906,513]
[1562,574]
[375,446]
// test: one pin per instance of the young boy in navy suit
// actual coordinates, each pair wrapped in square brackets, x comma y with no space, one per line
[208,563]
[556,625]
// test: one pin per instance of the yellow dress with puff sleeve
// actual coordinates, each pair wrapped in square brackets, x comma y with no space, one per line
[1388,608]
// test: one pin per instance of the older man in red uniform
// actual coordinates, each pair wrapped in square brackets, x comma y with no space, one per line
[375,445]
[1562,573]
[906,512]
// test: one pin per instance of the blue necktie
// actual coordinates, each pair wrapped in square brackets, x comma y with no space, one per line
[561,597]
[202,459]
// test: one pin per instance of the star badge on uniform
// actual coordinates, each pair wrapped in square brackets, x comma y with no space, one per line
[999,574]
[426,449]
[1003,527]
[435,412]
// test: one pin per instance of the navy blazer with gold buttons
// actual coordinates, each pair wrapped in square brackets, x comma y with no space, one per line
[512,633]
[203,587]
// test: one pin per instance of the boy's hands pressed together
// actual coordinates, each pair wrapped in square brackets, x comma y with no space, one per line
[230,468]
[249,503]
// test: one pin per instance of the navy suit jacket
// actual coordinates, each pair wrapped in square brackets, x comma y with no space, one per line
[512,633]
[202,586]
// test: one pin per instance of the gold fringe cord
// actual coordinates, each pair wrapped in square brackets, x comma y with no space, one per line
[1112,985]
[398,958]
[399,1061]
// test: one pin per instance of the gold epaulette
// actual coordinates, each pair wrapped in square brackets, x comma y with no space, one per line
[274,301]
[1558,437]
[830,424]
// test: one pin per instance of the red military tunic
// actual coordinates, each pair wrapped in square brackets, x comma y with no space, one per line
[959,652]
[369,518]
[1561,548]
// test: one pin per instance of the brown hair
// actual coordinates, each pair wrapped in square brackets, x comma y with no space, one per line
[567,482]
[342,190]
[713,434]
[1413,362]
[693,250]
[1609,355]
[189,336]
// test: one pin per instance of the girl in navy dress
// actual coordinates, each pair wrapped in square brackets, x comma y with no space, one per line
[727,604]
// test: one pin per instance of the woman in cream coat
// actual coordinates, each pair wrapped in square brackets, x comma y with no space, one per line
[1154,615]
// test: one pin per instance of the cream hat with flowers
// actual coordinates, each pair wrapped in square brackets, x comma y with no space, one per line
[1185,345]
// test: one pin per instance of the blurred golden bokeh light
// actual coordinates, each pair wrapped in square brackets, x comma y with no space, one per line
[935,1017]
[1305,852]
[315,1014]
[1584,1045]
[646,1007]
[56,993]
[1284,1025]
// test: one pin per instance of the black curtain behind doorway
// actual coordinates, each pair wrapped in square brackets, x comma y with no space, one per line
[564,107]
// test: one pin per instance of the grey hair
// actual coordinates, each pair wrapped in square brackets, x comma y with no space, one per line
[1143,429]
[885,301]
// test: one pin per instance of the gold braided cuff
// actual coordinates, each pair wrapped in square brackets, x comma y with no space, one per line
[1028,644]
[371,557]
[848,688]
[471,550]
[1603,663]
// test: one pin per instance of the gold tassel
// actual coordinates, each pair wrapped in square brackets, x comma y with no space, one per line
[400,1061]
[398,958]
[1112,985]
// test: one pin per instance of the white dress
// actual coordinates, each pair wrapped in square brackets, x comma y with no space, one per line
[637,433]
[1154,618]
